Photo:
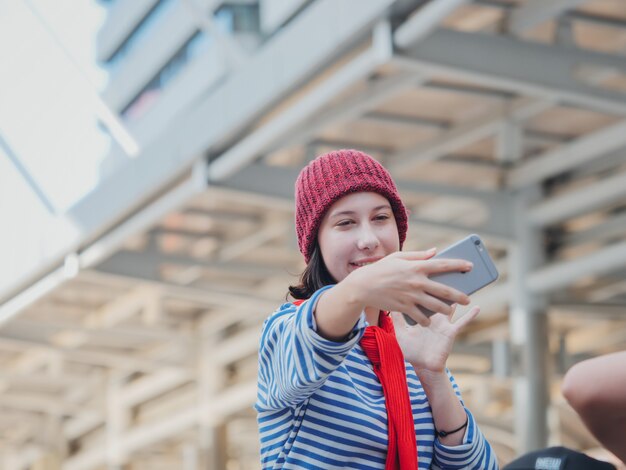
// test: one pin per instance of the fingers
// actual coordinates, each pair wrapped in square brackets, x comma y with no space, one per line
[414,313]
[399,319]
[446,293]
[443,265]
[417,255]
[435,305]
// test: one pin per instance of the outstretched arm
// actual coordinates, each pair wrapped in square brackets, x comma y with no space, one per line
[596,389]
[294,360]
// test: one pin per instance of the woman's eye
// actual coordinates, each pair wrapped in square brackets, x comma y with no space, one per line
[343,223]
[381,217]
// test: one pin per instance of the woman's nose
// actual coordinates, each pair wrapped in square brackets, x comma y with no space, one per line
[368,240]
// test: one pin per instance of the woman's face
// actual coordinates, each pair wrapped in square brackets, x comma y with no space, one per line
[358,229]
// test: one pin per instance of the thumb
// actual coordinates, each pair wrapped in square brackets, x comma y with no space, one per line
[418,255]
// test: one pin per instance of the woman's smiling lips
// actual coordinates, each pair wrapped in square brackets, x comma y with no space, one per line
[363,262]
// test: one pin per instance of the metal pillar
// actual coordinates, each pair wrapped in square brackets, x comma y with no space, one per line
[116,422]
[212,433]
[528,331]
[527,319]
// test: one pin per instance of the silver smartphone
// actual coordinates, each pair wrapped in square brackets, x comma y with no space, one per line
[484,272]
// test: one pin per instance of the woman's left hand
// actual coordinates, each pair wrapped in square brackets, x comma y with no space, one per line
[428,348]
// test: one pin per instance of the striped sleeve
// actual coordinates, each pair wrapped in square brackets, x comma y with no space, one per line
[474,453]
[294,360]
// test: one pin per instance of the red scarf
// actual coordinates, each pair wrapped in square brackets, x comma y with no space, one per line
[383,351]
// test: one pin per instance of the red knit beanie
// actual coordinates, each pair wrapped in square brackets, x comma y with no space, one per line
[330,177]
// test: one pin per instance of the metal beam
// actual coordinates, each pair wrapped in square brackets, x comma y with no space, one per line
[563,273]
[238,304]
[546,71]
[476,90]
[575,15]
[78,425]
[23,325]
[293,123]
[610,290]
[598,20]
[402,120]
[465,134]
[272,229]
[41,381]
[606,165]
[278,182]
[495,228]
[612,227]
[146,265]
[224,215]
[496,199]
[533,137]
[569,156]
[43,403]
[422,23]
[153,385]
[581,309]
[535,12]
[377,92]
[275,182]
[241,345]
[586,338]
[122,307]
[183,233]
[601,194]
[95,358]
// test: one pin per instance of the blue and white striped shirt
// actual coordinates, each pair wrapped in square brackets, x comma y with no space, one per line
[321,406]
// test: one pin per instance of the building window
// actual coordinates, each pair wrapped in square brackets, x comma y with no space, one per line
[244,18]
[195,46]
[160,10]
[230,19]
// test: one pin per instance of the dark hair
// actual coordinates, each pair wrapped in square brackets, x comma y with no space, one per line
[314,277]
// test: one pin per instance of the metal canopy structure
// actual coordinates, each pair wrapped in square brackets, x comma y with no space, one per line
[135,347]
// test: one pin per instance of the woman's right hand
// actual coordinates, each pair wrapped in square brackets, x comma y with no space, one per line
[400,282]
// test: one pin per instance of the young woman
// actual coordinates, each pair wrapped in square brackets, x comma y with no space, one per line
[344,381]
